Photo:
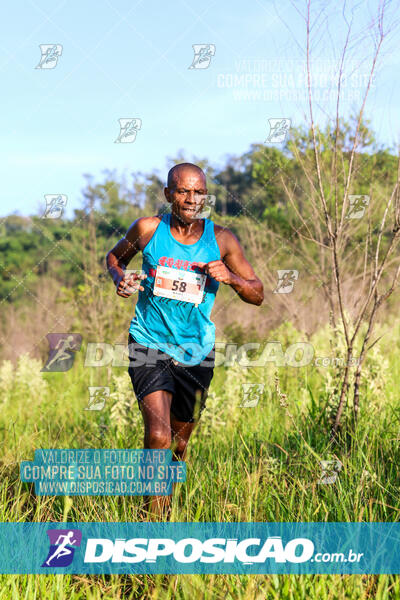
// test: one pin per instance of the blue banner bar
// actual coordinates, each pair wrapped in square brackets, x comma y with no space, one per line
[103,472]
[192,548]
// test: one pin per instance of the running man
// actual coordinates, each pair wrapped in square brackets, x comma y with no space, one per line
[63,351]
[62,550]
[185,258]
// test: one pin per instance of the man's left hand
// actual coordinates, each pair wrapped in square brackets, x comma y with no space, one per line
[218,271]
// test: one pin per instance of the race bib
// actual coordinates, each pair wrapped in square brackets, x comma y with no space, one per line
[179,284]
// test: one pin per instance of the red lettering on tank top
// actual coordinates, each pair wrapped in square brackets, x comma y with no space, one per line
[178,263]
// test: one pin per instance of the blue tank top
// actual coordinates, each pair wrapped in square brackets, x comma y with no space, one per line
[180,329]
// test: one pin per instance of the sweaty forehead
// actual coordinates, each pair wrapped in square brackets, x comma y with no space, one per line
[188,177]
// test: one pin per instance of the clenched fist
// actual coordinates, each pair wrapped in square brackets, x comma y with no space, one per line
[129,284]
[218,271]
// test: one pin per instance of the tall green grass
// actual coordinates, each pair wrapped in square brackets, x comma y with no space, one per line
[244,464]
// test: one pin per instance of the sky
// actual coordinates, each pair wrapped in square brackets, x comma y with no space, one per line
[120,59]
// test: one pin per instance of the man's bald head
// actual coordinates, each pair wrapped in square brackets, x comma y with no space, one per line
[178,170]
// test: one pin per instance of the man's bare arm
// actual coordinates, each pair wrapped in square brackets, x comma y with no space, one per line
[243,279]
[118,258]
[234,269]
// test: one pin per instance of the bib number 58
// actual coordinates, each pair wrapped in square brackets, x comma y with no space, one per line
[179,286]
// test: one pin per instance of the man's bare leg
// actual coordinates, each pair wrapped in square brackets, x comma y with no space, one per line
[180,433]
[162,428]
[155,409]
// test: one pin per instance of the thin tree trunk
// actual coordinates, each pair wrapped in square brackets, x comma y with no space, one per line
[343,393]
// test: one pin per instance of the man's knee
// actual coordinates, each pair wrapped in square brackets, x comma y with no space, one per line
[180,446]
[158,438]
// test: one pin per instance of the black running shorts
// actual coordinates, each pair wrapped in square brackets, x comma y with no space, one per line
[151,370]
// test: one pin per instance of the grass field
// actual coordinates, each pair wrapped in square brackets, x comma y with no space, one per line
[244,464]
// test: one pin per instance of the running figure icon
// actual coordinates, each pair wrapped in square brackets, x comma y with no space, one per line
[62,549]
[62,350]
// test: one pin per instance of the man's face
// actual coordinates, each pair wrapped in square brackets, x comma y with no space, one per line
[187,194]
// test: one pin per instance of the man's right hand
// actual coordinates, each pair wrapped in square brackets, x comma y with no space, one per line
[129,284]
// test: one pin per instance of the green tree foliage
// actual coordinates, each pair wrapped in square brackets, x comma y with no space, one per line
[253,187]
